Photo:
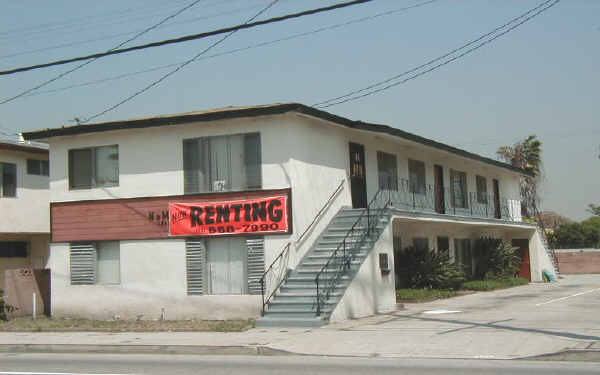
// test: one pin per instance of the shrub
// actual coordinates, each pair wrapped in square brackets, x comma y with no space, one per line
[428,269]
[4,307]
[495,258]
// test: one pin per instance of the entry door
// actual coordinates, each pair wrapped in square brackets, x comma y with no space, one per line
[497,213]
[226,260]
[523,245]
[358,181]
[440,205]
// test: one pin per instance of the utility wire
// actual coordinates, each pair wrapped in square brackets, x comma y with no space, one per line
[112,49]
[181,66]
[542,7]
[112,36]
[236,50]
[188,37]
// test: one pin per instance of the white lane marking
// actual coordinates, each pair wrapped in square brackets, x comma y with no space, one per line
[435,312]
[49,373]
[563,298]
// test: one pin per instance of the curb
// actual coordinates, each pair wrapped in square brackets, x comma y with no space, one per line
[144,349]
[568,355]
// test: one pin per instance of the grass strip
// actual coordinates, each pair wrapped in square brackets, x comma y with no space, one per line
[44,324]
[487,285]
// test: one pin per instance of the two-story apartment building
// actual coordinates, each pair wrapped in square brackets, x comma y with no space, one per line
[24,208]
[196,215]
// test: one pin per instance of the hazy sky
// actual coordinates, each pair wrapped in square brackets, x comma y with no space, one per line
[541,78]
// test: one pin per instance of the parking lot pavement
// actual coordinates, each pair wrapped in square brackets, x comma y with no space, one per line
[513,323]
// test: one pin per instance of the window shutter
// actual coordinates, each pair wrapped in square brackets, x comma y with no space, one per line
[83,264]
[256,263]
[195,257]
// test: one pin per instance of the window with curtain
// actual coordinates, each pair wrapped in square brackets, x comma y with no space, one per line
[482,196]
[458,186]
[416,176]
[222,163]
[388,171]
[94,167]
[8,180]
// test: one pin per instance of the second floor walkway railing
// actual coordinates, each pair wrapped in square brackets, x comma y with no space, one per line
[450,200]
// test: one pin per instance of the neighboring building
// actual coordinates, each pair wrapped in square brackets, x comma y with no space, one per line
[180,215]
[24,208]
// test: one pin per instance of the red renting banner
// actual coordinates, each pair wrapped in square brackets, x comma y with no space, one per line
[249,216]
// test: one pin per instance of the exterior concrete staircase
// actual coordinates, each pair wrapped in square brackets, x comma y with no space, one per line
[295,304]
[549,250]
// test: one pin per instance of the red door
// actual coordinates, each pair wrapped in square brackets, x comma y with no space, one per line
[523,246]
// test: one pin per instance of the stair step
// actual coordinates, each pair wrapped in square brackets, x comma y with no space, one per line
[284,321]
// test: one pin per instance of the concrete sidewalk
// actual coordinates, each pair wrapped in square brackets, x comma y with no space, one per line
[520,322]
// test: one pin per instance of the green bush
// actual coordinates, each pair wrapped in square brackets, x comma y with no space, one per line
[428,269]
[495,258]
[4,307]
[492,284]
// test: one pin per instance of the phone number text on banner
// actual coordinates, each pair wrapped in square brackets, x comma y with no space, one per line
[249,216]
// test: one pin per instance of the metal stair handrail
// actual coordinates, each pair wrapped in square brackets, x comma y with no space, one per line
[347,254]
[284,253]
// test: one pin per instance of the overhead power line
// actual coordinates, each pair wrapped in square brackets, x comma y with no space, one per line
[148,29]
[181,66]
[188,37]
[515,22]
[241,49]
[113,36]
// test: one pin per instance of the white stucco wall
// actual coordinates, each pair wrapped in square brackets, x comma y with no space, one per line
[153,277]
[371,291]
[539,258]
[29,211]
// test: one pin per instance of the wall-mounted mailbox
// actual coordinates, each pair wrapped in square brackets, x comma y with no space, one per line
[384,265]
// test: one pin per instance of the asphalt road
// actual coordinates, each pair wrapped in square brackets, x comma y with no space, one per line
[216,365]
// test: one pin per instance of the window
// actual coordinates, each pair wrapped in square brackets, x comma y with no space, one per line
[222,163]
[482,196]
[8,180]
[388,171]
[95,263]
[421,243]
[462,254]
[231,265]
[94,167]
[416,176]
[38,167]
[458,186]
[13,249]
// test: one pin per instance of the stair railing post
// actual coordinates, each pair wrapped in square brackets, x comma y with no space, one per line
[262,292]
[318,297]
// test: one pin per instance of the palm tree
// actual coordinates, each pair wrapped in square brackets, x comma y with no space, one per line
[526,155]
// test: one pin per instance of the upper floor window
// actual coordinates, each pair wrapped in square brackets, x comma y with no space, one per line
[222,163]
[388,171]
[38,167]
[416,176]
[482,196]
[8,180]
[458,187]
[94,167]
